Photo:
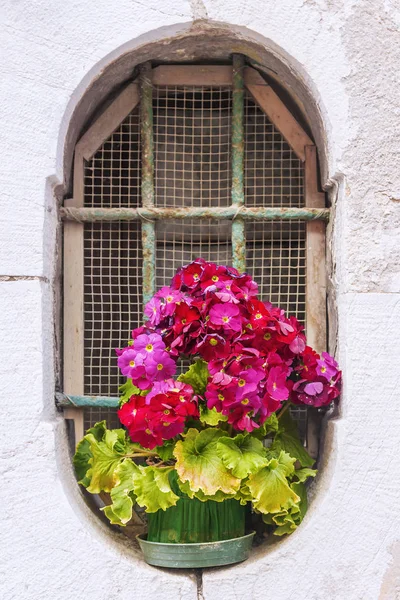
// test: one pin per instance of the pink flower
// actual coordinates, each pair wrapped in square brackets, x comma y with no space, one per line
[226,315]
[160,366]
[146,344]
[128,361]
[327,366]
[276,383]
[152,310]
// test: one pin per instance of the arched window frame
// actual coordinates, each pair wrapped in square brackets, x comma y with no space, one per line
[139,92]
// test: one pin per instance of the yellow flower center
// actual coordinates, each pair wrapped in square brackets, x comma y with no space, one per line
[131,363]
[225,319]
[213,342]
[228,287]
[274,386]
[241,382]
[214,278]
[267,336]
[166,412]
[134,412]
[149,347]
[221,397]
[183,321]
[196,276]
[130,343]
[245,401]
[148,431]
[182,398]
[258,316]
[160,367]
[323,370]
[169,298]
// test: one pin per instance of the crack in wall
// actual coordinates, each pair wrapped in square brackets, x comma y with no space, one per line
[199,581]
[24,278]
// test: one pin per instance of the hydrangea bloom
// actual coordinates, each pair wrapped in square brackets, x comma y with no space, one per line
[257,356]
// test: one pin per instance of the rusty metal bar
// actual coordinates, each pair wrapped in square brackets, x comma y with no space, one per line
[91,215]
[69,401]
[238,225]
[148,226]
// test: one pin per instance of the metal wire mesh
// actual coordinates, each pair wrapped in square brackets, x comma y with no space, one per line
[112,176]
[192,146]
[273,174]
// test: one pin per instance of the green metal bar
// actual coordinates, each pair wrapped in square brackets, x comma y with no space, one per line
[66,401]
[148,227]
[238,226]
[91,215]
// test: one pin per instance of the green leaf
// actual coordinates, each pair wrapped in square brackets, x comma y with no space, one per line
[217,497]
[271,425]
[270,488]
[127,390]
[287,439]
[197,376]
[122,494]
[83,454]
[242,454]
[166,451]
[303,474]
[106,456]
[293,446]
[288,520]
[153,489]
[211,416]
[199,464]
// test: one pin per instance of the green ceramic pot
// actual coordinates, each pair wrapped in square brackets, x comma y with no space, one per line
[192,555]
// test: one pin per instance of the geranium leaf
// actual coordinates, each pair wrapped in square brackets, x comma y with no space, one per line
[199,464]
[83,455]
[303,474]
[122,494]
[197,376]
[270,488]
[152,488]
[166,451]
[288,520]
[217,497]
[127,390]
[242,454]
[211,416]
[271,425]
[293,446]
[287,439]
[106,456]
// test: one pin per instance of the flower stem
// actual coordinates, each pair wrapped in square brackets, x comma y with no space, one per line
[284,409]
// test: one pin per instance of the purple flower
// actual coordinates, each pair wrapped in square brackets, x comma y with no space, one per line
[146,344]
[226,315]
[128,361]
[160,366]
[327,366]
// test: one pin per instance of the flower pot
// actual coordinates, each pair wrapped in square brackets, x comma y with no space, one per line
[191,521]
[192,555]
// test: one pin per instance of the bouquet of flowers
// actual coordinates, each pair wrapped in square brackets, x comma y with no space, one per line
[221,429]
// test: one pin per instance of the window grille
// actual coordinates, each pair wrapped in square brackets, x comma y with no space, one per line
[172,142]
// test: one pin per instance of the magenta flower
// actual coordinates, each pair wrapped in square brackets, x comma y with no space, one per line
[152,310]
[169,298]
[226,315]
[160,366]
[327,366]
[276,383]
[146,344]
[128,361]
[248,382]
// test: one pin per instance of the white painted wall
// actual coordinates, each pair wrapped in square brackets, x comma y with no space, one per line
[348,53]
